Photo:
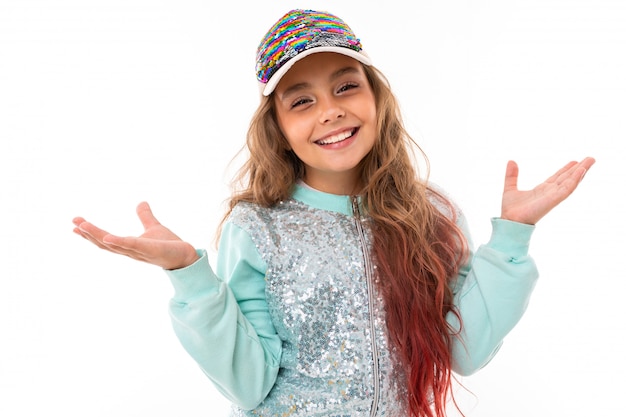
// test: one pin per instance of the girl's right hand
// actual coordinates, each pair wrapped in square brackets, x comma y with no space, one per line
[157,245]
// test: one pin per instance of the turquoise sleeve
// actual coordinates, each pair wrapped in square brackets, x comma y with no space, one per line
[224,324]
[492,293]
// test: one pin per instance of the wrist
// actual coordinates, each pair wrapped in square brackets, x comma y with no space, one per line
[189,259]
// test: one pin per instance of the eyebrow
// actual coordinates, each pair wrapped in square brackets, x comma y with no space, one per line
[292,89]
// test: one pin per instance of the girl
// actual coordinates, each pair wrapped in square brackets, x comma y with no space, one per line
[345,284]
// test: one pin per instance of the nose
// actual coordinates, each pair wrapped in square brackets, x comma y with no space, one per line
[330,109]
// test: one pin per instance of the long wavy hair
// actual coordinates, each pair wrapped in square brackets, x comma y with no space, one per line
[417,247]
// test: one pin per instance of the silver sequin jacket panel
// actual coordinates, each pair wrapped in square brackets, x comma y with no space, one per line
[317,320]
[335,357]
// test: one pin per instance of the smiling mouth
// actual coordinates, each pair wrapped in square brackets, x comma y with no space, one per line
[336,138]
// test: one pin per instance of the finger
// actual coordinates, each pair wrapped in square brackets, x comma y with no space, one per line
[569,180]
[106,241]
[510,178]
[90,238]
[90,229]
[587,163]
[128,242]
[145,215]
[141,249]
[564,171]
[572,171]
[97,236]
[77,220]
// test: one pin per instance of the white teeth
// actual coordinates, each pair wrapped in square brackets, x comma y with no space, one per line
[336,138]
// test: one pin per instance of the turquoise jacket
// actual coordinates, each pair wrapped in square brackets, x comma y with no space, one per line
[230,320]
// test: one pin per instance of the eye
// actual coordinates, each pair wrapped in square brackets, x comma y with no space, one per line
[347,86]
[300,101]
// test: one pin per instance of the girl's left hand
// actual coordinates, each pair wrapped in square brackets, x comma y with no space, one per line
[530,206]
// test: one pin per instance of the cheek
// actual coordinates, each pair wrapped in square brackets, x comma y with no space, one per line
[284,125]
[372,117]
[367,108]
[287,129]
[294,128]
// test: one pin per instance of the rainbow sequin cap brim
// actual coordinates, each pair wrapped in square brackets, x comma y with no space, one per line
[298,34]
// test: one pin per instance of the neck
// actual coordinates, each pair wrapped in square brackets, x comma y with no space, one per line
[334,184]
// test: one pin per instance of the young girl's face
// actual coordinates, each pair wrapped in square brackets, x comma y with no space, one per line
[326,109]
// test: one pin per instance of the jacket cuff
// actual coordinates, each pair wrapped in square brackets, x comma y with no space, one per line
[510,237]
[194,279]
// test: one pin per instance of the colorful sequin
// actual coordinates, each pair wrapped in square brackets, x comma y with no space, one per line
[297,31]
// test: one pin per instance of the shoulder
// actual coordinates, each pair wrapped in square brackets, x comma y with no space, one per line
[251,216]
[442,201]
[245,213]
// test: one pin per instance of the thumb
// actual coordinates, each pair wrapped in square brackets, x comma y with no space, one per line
[145,215]
[510,178]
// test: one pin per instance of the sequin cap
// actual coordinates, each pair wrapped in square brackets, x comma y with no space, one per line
[300,33]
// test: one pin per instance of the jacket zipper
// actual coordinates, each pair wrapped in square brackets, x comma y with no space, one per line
[370,296]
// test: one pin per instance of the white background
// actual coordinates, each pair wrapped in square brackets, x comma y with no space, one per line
[106,103]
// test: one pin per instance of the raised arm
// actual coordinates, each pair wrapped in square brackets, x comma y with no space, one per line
[227,331]
[495,288]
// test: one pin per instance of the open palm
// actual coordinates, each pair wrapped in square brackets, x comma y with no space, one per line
[530,206]
[157,245]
